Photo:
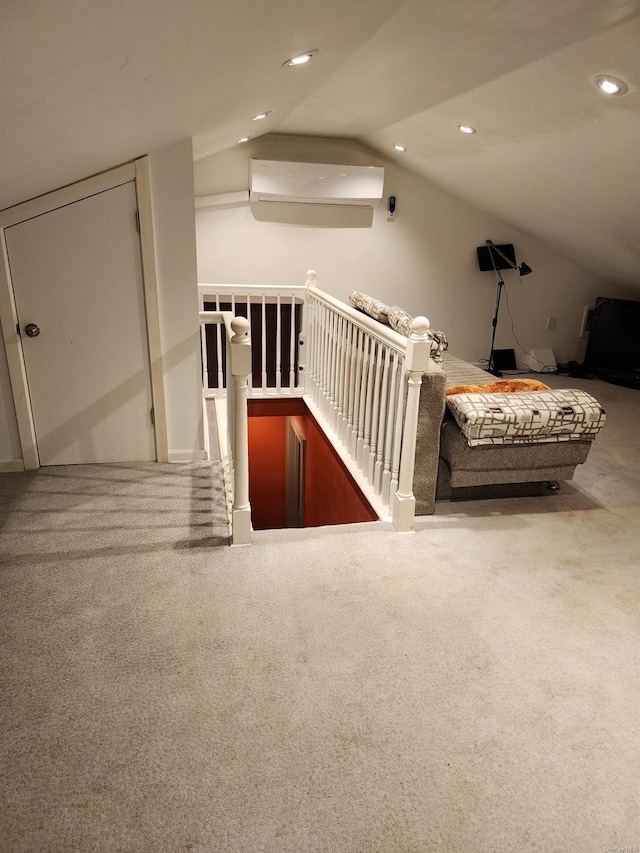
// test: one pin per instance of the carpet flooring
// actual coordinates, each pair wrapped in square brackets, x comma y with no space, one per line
[471,686]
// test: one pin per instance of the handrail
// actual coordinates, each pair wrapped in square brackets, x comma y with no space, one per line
[212,290]
[362,321]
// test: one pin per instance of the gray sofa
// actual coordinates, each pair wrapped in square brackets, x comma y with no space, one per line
[447,467]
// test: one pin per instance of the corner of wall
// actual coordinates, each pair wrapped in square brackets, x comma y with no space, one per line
[172,192]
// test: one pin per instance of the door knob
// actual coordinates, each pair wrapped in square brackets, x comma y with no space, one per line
[32,330]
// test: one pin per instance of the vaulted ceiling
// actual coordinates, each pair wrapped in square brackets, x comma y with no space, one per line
[88,85]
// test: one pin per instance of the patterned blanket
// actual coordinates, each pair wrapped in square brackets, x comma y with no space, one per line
[527,418]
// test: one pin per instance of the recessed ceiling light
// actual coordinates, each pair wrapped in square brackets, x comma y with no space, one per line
[261,116]
[399,147]
[611,85]
[244,139]
[301,58]
[465,128]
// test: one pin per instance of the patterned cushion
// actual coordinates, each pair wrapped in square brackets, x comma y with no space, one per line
[399,320]
[371,306]
[527,418]
[439,344]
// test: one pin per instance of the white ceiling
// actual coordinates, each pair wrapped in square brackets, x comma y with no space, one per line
[87,85]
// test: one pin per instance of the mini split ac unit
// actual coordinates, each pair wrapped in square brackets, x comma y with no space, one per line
[315,183]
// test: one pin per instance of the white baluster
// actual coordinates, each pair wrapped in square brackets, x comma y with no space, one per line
[278,346]
[305,346]
[352,434]
[328,354]
[366,447]
[326,403]
[382,423]
[292,347]
[364,390]
[319,341]
[397,431]
[375,414]
[388,444]
[346,383]
[221,376]
[313,325]
[203,350]
[342,326]
[249,319]
[333,419]
[263,324]
[322,377]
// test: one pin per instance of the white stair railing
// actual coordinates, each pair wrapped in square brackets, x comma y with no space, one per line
[277,328]
[235,450]
[364,380]
[360,379]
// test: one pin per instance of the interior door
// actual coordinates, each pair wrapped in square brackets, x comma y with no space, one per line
[295,473]
[77,280]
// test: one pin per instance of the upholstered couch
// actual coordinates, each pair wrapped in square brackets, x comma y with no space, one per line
[447,466]
[488,440]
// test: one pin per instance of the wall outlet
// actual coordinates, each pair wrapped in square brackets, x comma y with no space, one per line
[586,320]
[551,323]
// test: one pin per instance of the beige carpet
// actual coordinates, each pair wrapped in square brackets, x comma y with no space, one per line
[472,686]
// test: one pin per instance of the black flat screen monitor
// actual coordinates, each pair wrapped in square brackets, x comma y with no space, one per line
[613,348]
[484,258]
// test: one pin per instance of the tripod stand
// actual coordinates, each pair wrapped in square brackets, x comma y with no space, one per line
[522,269]
[491,366]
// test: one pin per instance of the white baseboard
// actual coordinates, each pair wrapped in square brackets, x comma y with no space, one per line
[187,455]
[8,466]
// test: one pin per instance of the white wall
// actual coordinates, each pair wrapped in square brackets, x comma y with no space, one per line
[425,261]
[172,192]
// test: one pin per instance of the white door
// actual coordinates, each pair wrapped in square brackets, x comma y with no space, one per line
[77,278]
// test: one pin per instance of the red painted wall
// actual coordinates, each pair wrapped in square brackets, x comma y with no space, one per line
[331,495]
[267,446]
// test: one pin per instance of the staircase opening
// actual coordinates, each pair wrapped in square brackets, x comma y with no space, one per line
[296,478]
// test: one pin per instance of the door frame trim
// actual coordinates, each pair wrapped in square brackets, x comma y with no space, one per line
[137,171]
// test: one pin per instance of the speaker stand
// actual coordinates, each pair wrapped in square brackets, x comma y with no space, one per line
[491,366]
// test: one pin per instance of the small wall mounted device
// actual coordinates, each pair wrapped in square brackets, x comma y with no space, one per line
[391,213]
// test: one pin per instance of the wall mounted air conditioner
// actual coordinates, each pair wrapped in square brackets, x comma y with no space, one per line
[315,183]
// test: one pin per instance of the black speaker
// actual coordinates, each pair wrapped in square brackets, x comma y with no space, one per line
[504,359]
[486,257]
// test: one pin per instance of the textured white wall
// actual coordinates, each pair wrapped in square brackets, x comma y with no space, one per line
[424,261]
[172,199]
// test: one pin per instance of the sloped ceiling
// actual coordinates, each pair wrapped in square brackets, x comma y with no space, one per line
[87,85]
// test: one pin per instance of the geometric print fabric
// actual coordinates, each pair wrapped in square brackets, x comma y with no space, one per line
[529,417]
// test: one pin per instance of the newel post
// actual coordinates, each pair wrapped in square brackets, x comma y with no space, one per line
[240,348]
[416,363]
[306,339]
